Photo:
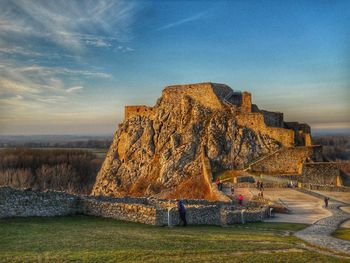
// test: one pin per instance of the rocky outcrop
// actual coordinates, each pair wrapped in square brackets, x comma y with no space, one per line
[158,152]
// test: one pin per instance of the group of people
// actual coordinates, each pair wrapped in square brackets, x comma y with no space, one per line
[260,187]
[219,185]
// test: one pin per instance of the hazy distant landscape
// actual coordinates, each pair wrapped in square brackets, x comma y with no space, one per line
[71,162]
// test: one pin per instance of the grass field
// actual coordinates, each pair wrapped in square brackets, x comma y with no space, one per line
[90,239]
[342,233]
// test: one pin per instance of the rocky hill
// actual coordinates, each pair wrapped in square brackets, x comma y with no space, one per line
[165,150]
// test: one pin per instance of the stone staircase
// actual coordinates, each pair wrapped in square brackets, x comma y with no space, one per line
[247,166]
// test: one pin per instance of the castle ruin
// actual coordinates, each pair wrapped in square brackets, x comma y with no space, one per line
[221,96]
[172,149]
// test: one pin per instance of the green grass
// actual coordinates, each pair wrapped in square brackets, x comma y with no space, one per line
[91,239]
[342,233]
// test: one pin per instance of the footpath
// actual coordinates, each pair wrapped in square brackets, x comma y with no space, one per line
[319,233]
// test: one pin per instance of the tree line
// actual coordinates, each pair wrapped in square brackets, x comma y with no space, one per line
[99,144]
[72,171]
[335,148]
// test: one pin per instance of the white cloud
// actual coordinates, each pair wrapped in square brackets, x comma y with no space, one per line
[74,89]
[184,21]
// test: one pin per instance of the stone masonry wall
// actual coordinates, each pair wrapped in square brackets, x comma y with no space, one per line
[320,187]
[323,173]
[246,102]
[287,160]
[134,212]
[25,203]
[273,119]
[256,122]
[302,133]
[197,215]
[138,110]
[213,93]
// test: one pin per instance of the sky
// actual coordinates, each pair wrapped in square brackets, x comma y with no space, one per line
[70,67]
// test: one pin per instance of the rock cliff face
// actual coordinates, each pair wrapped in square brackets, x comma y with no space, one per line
[157,151]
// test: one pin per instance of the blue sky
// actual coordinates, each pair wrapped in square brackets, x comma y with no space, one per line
[69,67]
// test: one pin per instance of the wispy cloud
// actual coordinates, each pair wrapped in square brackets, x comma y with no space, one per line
[73,25]
[74,89]
[47,49]
[16,87]
[20,51]
[62,71]
[52,99]
[30,85]
[124,49]
[184,21]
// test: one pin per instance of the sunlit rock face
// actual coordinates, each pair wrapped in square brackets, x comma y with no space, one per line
[157,150]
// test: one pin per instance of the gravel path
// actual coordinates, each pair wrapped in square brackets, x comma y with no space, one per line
[319,234]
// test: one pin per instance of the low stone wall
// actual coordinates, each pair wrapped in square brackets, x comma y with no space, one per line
[197,215]
[134,212]
[266,185]
[25,203]
[245,216]
[330,188]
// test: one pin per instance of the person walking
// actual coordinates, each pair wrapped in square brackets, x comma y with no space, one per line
[182,212]
[261,186]
[326,199]
[218,184]
[258,185]
[240,199]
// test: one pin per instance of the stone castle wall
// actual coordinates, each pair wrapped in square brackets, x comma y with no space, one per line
[330,188]
[246,102]
[138,110]
[256,122]
[25,203]
[302,132]
[213,95]
[209,94]
[287,160]
[322,173]
[273,119]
